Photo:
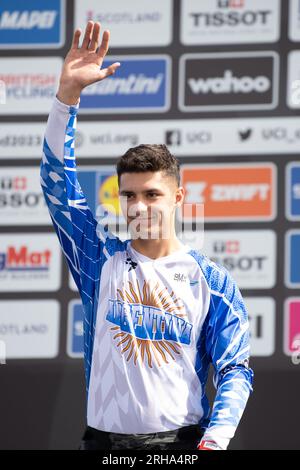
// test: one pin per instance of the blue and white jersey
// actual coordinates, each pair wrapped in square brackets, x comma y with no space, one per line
[152,327]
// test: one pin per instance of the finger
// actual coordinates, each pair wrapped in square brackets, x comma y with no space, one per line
[76,36]
[104,44]
[95,37]
[110,70]
[87,35]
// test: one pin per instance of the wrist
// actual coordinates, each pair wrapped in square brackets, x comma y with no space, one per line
[68,94]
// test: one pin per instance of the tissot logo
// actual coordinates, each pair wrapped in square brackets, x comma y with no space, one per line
[228,81]
[230,21]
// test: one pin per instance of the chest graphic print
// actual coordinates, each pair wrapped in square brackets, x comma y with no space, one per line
[148,322]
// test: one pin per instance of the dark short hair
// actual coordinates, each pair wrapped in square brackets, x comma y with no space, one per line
[148,157]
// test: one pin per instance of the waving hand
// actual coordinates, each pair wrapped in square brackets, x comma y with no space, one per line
[82,65]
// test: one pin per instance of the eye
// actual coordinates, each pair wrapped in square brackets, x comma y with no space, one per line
[153,195]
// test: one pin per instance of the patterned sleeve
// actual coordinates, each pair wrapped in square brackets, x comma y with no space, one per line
[227,344]
[85,243]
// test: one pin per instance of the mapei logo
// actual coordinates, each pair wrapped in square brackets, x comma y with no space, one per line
[140,85]
[228,81]
[23,259]
[32,23]
[230,192]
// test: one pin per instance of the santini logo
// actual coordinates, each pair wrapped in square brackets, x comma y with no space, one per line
[141,84]
[230,84]
[134,84]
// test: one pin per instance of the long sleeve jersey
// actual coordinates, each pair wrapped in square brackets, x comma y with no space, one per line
[152,327]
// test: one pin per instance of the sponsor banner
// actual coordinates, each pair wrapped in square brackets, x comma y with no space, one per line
[131,23]
[292,257]
[75,329]
[100,186]
[21,198]
[29,262]
[293,191]
[30,328]
[141,84]
[32,91]
[249,255]
[184,137]
[228,81]
[21,140]
[32,24]
[229,21]
[291,342]
[293,80]
[230,192]
[261,312]
[294,20]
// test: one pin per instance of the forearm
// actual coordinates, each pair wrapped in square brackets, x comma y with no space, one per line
[231,398]
[55,133]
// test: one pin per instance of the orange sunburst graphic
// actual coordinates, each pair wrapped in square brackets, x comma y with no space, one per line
[150,351]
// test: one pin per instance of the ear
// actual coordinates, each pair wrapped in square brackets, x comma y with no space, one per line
[180,193]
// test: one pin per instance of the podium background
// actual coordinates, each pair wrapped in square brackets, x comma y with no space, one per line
[42,402]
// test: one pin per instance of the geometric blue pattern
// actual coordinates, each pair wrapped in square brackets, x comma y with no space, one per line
[76,229]
[224,342]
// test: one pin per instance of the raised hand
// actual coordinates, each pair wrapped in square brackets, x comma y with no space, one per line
[82,65]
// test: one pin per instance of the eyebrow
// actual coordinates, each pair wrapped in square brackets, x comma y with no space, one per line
[151,190]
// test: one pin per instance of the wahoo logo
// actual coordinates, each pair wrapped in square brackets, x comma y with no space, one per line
[21,259]
[149,323]
[31,23]
[139,85]
[230,84]
[225,81]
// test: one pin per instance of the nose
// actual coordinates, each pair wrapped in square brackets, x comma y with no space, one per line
[138,209]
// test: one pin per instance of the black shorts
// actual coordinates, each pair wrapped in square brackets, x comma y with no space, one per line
[183,438]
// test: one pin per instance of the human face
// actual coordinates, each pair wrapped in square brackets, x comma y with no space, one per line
[148,202]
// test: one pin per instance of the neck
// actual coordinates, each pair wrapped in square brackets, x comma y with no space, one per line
[156,248]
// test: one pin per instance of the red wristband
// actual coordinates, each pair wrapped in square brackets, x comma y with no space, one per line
[208,445]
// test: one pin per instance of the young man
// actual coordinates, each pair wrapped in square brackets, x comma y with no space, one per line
[149,333]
